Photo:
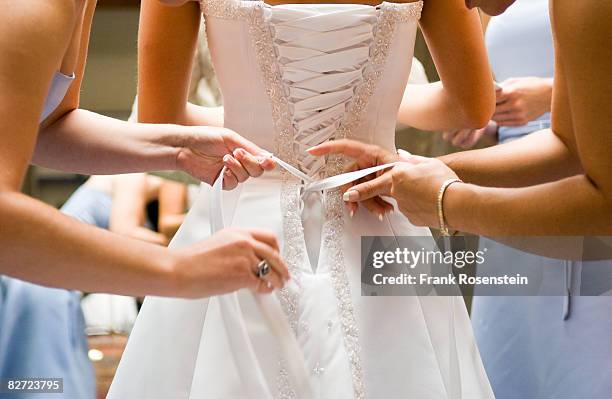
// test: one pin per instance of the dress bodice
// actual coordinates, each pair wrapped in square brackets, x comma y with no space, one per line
[293,76]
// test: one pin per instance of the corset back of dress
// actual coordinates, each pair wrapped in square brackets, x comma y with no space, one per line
[293,76]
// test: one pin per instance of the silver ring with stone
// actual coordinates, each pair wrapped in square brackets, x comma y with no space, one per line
[263,268]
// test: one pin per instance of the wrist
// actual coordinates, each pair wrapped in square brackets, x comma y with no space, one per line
[175,139]
[548,84]
[168,277]
[455,213]
[442,223]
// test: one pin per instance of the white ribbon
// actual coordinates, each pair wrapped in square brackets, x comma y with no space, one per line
[242,348]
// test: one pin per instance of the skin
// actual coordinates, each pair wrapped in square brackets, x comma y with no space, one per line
[517,101]
[173,198]
[552,182]
[39,244]
[130,194]
[490,7]
[464,94]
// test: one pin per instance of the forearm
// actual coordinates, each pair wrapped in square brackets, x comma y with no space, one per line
[538,158]
[196,115]
[169,224]
[41,245]
[88,143]
[430,107]
[574,206]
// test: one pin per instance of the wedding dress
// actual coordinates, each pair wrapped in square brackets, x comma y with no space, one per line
[293,76]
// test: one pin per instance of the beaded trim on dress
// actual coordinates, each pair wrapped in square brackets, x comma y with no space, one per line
[255,13]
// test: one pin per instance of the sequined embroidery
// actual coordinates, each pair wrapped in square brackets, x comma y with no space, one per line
[254,12]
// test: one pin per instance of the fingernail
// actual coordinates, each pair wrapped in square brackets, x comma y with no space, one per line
[403,152]
[350,196]
[263,158]
[238,152]
[227,157]
[380,217]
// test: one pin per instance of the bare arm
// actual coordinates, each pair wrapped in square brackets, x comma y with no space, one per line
[167,41]
[39,244]
[464,97]
[537,158]
[128,212]
[172,206]
[77,252]
[85,142]
[581,120]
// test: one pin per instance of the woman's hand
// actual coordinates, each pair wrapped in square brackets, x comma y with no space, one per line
[521,100]
[415,185]
[468,138]
[228,261]
[413,182]
[365,156]
[209,149]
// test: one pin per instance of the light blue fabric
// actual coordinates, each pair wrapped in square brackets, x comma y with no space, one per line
[546,346]
[57,91]
[519,43]
[42,334]
[42,331]
[541,347]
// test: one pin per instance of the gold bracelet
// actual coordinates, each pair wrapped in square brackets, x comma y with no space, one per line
[439,204]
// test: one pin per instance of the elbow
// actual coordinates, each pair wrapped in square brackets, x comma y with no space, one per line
[476,108]
[476,115]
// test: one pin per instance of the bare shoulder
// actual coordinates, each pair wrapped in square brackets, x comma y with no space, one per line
[36,24]
[584,59]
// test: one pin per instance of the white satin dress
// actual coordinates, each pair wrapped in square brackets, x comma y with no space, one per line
[293,76]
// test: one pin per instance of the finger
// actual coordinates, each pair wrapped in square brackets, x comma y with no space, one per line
[229,180]
[352,208]
[473,139]
[503,108]
[404,155]
[266,237]
[510,122]
[351,148]
[448,136]
[279,271]
[264,287]
[274,278]
[234,141]
[266,162]
[375,206]
[500,96]
[360,192]
[386,206]
[460,137]
[248,162]
[236,167]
